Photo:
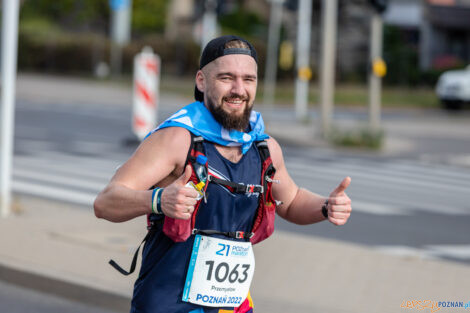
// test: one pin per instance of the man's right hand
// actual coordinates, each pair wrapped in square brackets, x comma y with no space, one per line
[177,200]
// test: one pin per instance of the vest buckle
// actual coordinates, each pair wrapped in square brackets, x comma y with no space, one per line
[240,234]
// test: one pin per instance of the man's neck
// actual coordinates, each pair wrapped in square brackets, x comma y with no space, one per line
[233,154]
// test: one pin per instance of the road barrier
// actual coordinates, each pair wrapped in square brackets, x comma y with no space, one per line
[146,92]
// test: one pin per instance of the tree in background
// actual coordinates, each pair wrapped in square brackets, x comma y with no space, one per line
[149,16]
[71,15]
[73,35]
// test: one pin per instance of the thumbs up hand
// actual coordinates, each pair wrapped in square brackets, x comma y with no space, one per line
[178,200]
[339,204]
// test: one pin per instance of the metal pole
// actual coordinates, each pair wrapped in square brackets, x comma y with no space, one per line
[375,82]
[9,59]
[303,57]
[271,58]
[120,31]
[327,79]
[116,48]
[209,22]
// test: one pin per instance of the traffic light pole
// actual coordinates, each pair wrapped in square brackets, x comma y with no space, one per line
[120,32]
[209,22]
[275,20]
[327,78]
[375,82]
[9,58]
[303,55]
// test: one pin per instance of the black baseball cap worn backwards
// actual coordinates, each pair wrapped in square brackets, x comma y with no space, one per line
[215,49]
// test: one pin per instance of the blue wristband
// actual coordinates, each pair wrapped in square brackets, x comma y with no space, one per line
[159,201]
[154,206]
[156,201]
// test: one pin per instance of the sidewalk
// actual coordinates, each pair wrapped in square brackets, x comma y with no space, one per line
[63,249]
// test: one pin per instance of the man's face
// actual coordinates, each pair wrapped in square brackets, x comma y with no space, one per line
[229,85]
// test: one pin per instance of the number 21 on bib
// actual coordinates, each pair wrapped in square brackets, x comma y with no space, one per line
[220,272]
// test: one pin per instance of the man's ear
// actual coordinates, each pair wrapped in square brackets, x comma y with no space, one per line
[200,81]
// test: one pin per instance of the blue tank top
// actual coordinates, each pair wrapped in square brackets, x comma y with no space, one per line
[159,287]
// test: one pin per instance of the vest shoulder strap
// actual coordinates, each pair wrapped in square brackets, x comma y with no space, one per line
[196,147]
[263,149]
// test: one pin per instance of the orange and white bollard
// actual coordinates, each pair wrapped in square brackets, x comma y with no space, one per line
[146,92]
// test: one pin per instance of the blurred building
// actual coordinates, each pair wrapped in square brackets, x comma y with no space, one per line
[438,30]
[441,28]
[185,16]
[445,33]
[180,19]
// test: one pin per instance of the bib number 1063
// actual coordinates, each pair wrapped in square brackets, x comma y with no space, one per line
[222,272]
[219,272]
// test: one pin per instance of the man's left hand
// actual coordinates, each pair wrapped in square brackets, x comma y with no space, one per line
[339,204]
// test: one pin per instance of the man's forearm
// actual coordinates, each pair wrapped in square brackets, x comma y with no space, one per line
[119,204]
[305,208]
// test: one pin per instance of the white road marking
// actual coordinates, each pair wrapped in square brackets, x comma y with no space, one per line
[458,252]
[58,193]
[69,181]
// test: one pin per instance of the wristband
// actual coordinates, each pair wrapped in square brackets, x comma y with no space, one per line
[324,209]
[156,201]
[159,201]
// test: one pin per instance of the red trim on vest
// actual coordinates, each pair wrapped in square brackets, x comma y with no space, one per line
[263,226]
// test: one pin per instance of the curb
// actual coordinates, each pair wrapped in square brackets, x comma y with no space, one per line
[63,289]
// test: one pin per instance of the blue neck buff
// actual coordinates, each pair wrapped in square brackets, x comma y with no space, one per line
[196,118]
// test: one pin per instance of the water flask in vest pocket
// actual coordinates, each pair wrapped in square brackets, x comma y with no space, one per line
[179,230]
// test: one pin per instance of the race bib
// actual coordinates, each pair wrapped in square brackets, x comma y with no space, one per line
[220,272]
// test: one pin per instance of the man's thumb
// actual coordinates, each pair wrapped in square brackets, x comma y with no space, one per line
[342,186]
[183,179]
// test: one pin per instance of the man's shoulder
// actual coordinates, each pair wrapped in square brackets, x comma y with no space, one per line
[273,144]
[175,138]
[275,151]
[181,132]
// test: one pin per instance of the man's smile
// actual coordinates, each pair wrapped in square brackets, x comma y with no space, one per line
[234,103]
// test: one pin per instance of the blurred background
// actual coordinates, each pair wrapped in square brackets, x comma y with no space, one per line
[421,38]
[373,89]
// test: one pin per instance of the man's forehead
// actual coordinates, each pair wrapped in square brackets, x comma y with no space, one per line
[234,62]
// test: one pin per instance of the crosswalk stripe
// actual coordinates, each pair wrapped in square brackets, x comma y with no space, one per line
[57,193]
[407,168]
[62,168]
[394,165]
[34,145]
[90,174]
[378,209]
[371,174]
[457,252]
[72,182]
[454,251]
[98,163]
[404,251]
[429,170]
[92,146]
[397,195]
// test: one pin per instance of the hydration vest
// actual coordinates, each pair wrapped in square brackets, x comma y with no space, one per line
[180,230]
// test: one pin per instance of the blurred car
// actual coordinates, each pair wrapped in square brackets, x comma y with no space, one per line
[453,88]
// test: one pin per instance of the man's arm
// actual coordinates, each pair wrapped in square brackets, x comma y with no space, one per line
[301,206]
[159,160]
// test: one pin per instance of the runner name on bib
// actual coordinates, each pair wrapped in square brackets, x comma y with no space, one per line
[219,273]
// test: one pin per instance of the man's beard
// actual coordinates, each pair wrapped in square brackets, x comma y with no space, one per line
[230,121]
